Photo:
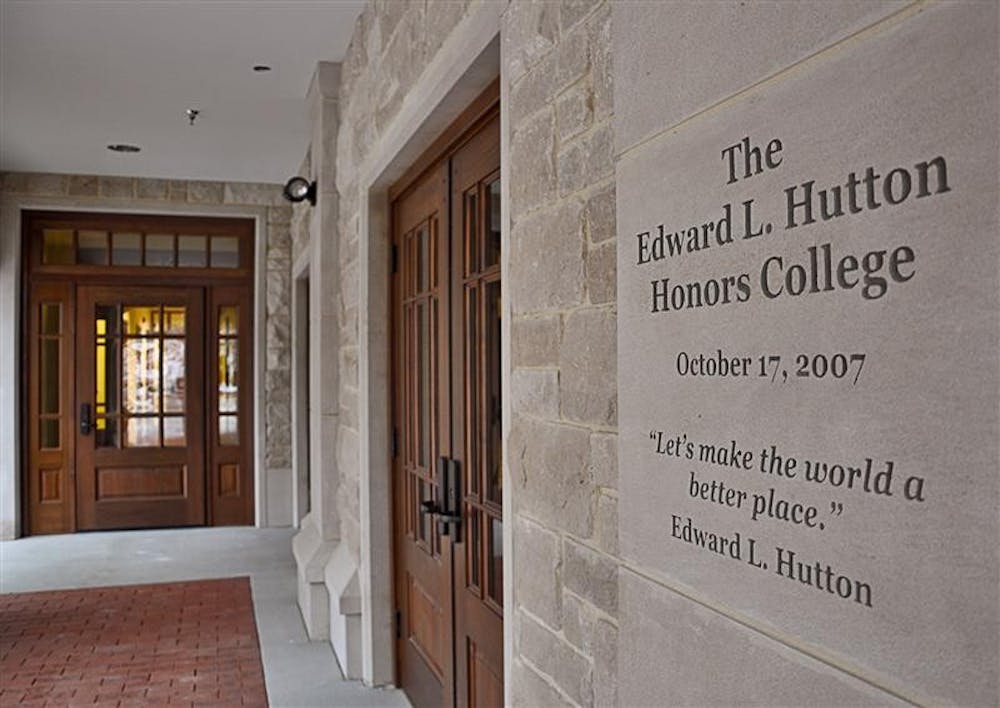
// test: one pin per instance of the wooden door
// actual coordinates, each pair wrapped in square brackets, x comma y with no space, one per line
[140,407]
[446,413]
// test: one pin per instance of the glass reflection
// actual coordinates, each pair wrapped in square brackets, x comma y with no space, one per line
[491,247]
[228,321]
[141,375]
[141,320]
[228,375]
[229,433]
[173,432]
[494,408]
[173,376]
[142,432]
[496,560]
[173,319]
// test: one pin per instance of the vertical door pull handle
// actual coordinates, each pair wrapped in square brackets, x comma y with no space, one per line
[85,424]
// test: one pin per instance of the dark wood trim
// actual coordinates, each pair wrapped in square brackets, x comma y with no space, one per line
[481,110]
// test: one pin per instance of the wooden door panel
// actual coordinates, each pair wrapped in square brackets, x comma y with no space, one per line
[142,463]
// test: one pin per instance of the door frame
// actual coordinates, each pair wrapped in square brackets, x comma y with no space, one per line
[442,92]
[253,277]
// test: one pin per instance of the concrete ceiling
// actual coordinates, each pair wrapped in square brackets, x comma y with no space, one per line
[78,75]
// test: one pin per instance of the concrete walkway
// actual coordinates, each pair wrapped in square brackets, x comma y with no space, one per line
[297,672]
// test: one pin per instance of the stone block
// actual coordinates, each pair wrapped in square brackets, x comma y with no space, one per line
[546,267]
[606,523]
[585,161]
[440,19]
[535,341]
[572,58]
[530,30]
[82,186]
[578,621]
[601,63]
[588,367]
[277,333]
[279,215]
[117,187]
[534,91]
[259,194]
[599,215]
[591,575]
[549,467]
[200,192]
[602,273]
[538,569]
[713,659]
[277,357]
[177,190]
[15,182]
[530,689]
[151,188]
[713,50]
[573,113]
[604,459]
[532,156]
[555,658]
[535,393]
[572,11]
[605,655]
[43,184]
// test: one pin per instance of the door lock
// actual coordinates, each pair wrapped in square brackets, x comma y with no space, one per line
[448,510]
[85,424]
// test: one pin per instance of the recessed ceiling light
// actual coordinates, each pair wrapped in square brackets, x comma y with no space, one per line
[260,68]
[124,147]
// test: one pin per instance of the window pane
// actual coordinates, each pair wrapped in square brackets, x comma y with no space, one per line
[225,252]
[107,318]
[495,567]
[107,432]
[160,250]
[229,433]
[126,249]
[471,233]
[491,245]
[475,547]
[173,432]
[92,247]
[51,318]
[140,320]
[191,251]
[473,468]
[228,320]
[228,375]
[48,433]
[106,376]
[142,432]
[173,376]
[57,247]
[48,380]
[493,404]
[422,244]
[141,375]
[174,319]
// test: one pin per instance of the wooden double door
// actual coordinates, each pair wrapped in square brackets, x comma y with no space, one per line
[447,486]
[138,398]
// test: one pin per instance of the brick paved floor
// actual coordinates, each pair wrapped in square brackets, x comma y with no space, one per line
[187,643]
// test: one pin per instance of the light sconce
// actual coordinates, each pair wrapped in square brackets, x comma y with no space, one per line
[298,189]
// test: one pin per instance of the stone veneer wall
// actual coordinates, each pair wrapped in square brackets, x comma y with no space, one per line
[562,448]
[94,193]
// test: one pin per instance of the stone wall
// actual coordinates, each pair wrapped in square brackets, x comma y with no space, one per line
[562,447]
[94,193]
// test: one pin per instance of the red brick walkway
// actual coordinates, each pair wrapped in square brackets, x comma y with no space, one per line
[191,643]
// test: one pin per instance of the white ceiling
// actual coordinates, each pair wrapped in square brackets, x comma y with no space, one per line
[78,75]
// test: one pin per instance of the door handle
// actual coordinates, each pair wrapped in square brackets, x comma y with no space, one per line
[85,424]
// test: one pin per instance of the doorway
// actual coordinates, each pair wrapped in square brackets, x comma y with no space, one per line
[137,412]
[447,492]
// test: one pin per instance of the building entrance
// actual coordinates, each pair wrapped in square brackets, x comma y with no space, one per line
[137,350]
[446,415]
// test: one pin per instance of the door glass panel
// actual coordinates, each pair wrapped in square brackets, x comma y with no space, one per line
[173,376]
[57,247]
[141,321]
[422,243]
[174,319]
[229,433]
[160,250]
[106,434]
[141,376]
[492,392]
[173,432]
[491,245]
[92,247]
[228,375]
[48,398]
[126,249]
[48,433]
[495,566]
[424,524]
[228,321]
[107,318]
[474,546]
[191,251]
[50,323]
[423,386]
[225,252]
[142,432]
[473,470]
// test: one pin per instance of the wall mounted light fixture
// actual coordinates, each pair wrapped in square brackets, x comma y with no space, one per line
[298,189]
